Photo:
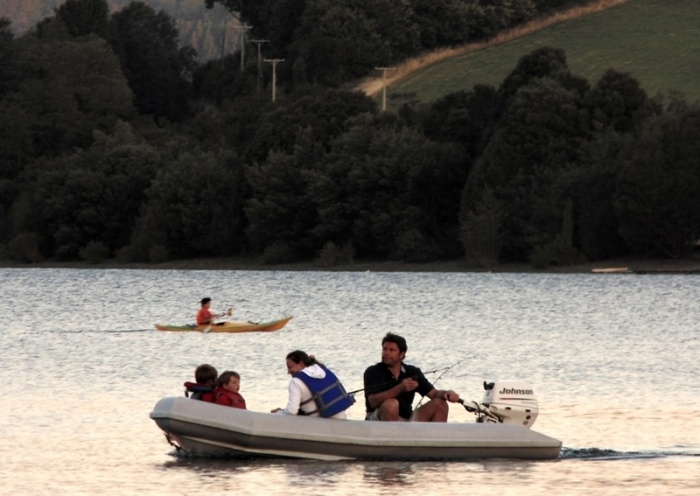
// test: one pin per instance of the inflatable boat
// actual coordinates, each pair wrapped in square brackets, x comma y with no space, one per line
[502,430]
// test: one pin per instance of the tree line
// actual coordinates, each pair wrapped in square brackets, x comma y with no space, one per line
[115,142]
[209,31]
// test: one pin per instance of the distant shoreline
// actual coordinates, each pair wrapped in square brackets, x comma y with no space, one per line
[617,266]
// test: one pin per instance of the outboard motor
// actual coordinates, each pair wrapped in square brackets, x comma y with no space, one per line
[506,402]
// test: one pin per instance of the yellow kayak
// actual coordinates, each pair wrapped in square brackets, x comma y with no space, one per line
[229,326]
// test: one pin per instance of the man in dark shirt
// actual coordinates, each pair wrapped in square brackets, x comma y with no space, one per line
[390,387]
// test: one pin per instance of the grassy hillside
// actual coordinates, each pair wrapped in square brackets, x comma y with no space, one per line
[656,41]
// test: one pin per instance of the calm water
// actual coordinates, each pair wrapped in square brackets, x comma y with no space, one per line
[614,360]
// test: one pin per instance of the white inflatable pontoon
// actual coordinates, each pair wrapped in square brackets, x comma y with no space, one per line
[502,430]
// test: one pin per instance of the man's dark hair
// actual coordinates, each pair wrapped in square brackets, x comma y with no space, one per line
[398,340]
[205,301]
[205,374]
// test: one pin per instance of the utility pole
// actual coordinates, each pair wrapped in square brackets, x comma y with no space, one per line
[384,69]
[274,63]
[243,29]
[259,43]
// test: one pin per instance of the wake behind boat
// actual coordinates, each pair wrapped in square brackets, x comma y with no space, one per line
[229,326]
[501,431]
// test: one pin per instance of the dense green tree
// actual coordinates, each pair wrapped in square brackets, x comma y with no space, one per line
[15,142]
[618,109]
[345,40]
[95,195]
[370,161]
[219,80]
[463,117]
[591,182]
[272,20]
[83,17]
[618,102]
[541,124]
[69,88]
[339,44]
[481,229]
[158,71]
[8,59]
[389,192]
[442,23]
[394,21]
[540,134]
[325,114]
[545,62]
[553,5]
[193,209]
[380,187]
[280,212]
[489,17]
[435,183]
[659,185]
[233,125]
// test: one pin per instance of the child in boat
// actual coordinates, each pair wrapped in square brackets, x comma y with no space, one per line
[203,389]
[226,393]
[205,315]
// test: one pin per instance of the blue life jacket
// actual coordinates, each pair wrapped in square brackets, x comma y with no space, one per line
[328,393]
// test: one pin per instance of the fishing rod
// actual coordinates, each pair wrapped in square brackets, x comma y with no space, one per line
[439,377]
[442,369]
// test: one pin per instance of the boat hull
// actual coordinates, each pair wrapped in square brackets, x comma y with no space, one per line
[229,326]
[204,429]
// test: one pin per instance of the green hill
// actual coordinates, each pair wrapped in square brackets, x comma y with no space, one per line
[656,41]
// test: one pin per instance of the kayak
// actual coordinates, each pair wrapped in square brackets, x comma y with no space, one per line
[229,326]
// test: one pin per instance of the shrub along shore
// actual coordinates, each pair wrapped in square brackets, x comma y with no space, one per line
[616,266]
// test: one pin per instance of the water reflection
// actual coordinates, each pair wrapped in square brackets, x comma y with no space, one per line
[388,473]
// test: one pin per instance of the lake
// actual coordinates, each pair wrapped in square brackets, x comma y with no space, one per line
[614,361]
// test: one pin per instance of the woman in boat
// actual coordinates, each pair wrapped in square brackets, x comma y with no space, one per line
[314,389]
[226,393]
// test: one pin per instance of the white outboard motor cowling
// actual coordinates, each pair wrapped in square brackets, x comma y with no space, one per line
[511,402]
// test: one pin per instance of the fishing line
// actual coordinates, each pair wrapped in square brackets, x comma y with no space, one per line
[439,377]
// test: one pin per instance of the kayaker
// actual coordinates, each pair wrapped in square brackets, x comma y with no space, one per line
[314,389]
[227,386]
[203,389]
[390,387]
[204,315]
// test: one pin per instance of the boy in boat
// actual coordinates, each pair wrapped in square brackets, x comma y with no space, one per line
[390,387]
[204,315]
[203,389]
[227,386]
